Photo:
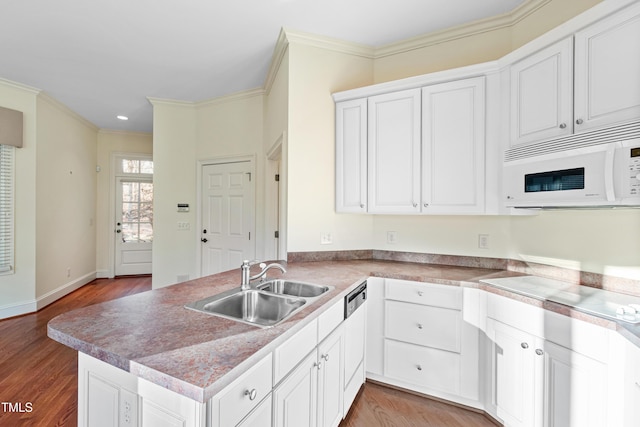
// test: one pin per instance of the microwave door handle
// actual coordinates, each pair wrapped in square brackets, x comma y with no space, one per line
[608,173]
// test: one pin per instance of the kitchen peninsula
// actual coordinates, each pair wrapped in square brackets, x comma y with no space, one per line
[157,354]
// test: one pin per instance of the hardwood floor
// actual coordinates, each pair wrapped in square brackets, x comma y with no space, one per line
[38,376]
[39,381]
[377,405]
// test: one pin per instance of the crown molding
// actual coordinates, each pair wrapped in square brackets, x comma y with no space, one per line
[20,86]
[280,49]
[167,101]
[43,96]
[124,132]
[506,20]
[237,96]
[328,43]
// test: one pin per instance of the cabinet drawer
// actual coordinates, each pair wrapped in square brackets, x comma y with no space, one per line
[234,404]
[330,319]
[422,366]
[289,354]
[434,327]
[424,293]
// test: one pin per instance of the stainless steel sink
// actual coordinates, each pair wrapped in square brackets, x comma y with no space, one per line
[251,306]
[298,289]
[266,304]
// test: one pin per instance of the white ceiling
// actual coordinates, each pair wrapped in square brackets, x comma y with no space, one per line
[103,58]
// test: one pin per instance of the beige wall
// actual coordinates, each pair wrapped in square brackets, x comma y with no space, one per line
[174,181]
[109,144]
[19,288]
[65,198]
[314,75]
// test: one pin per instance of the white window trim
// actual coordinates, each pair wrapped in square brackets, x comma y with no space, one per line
[7,209]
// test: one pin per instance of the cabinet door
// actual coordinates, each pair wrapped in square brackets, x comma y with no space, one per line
[575,389]
[394,152]
[453,136]
[542,94]
[351,156]
[260,417]
[513,377]
[607,68]
[355,332]
[294,400]
[375,326]
[331,379]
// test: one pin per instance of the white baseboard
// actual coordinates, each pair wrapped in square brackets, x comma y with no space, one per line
[18,309]
[65,289]
[104,274]
[31,306]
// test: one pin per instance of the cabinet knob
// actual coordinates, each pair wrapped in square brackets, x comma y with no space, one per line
[318,365]
[361,205]
[325,357]
[251,393]
[524,345]
[419,368]
[563,125]
[420,293]
[426,205]
[539,352]
[579,121]
[415,205]
[419,326]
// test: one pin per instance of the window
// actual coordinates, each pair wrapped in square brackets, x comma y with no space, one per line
[7,154]
[137,166]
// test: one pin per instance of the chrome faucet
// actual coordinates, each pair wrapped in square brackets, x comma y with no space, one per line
[245,268]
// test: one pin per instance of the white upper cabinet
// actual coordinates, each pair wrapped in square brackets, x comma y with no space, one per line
[351,156]
[453,141]
[542,94]
[583,82]
[607,76]
[394,152]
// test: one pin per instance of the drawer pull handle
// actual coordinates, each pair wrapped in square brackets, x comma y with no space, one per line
[524,345]
[539,352]
[419,326]
[252,394]
[419,368]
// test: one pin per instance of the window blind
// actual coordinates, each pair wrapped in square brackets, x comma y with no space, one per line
[7,154]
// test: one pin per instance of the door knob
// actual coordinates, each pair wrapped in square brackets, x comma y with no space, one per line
[204,240]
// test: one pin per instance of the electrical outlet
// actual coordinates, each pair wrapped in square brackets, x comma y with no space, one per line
[128,408]
[392,237]
[483,241]
[326,239]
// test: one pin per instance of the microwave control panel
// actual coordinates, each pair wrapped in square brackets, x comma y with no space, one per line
[634,172]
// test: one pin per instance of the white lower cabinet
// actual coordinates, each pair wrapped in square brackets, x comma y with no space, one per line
[312,393]
[355,331]
[424,345]
[536,382]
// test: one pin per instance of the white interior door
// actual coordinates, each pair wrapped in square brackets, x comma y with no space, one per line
[134,226]
[228,211]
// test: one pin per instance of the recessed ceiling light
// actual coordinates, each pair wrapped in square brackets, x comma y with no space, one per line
[122,117]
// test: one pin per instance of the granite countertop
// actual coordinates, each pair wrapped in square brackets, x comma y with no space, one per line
[154,337]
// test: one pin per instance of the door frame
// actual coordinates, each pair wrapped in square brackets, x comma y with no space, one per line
[114,176]
[251,158]
[276,154]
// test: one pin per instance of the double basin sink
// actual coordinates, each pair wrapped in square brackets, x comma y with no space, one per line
[265,305]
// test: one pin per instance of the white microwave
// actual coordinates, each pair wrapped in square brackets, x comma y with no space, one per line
[599,175]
